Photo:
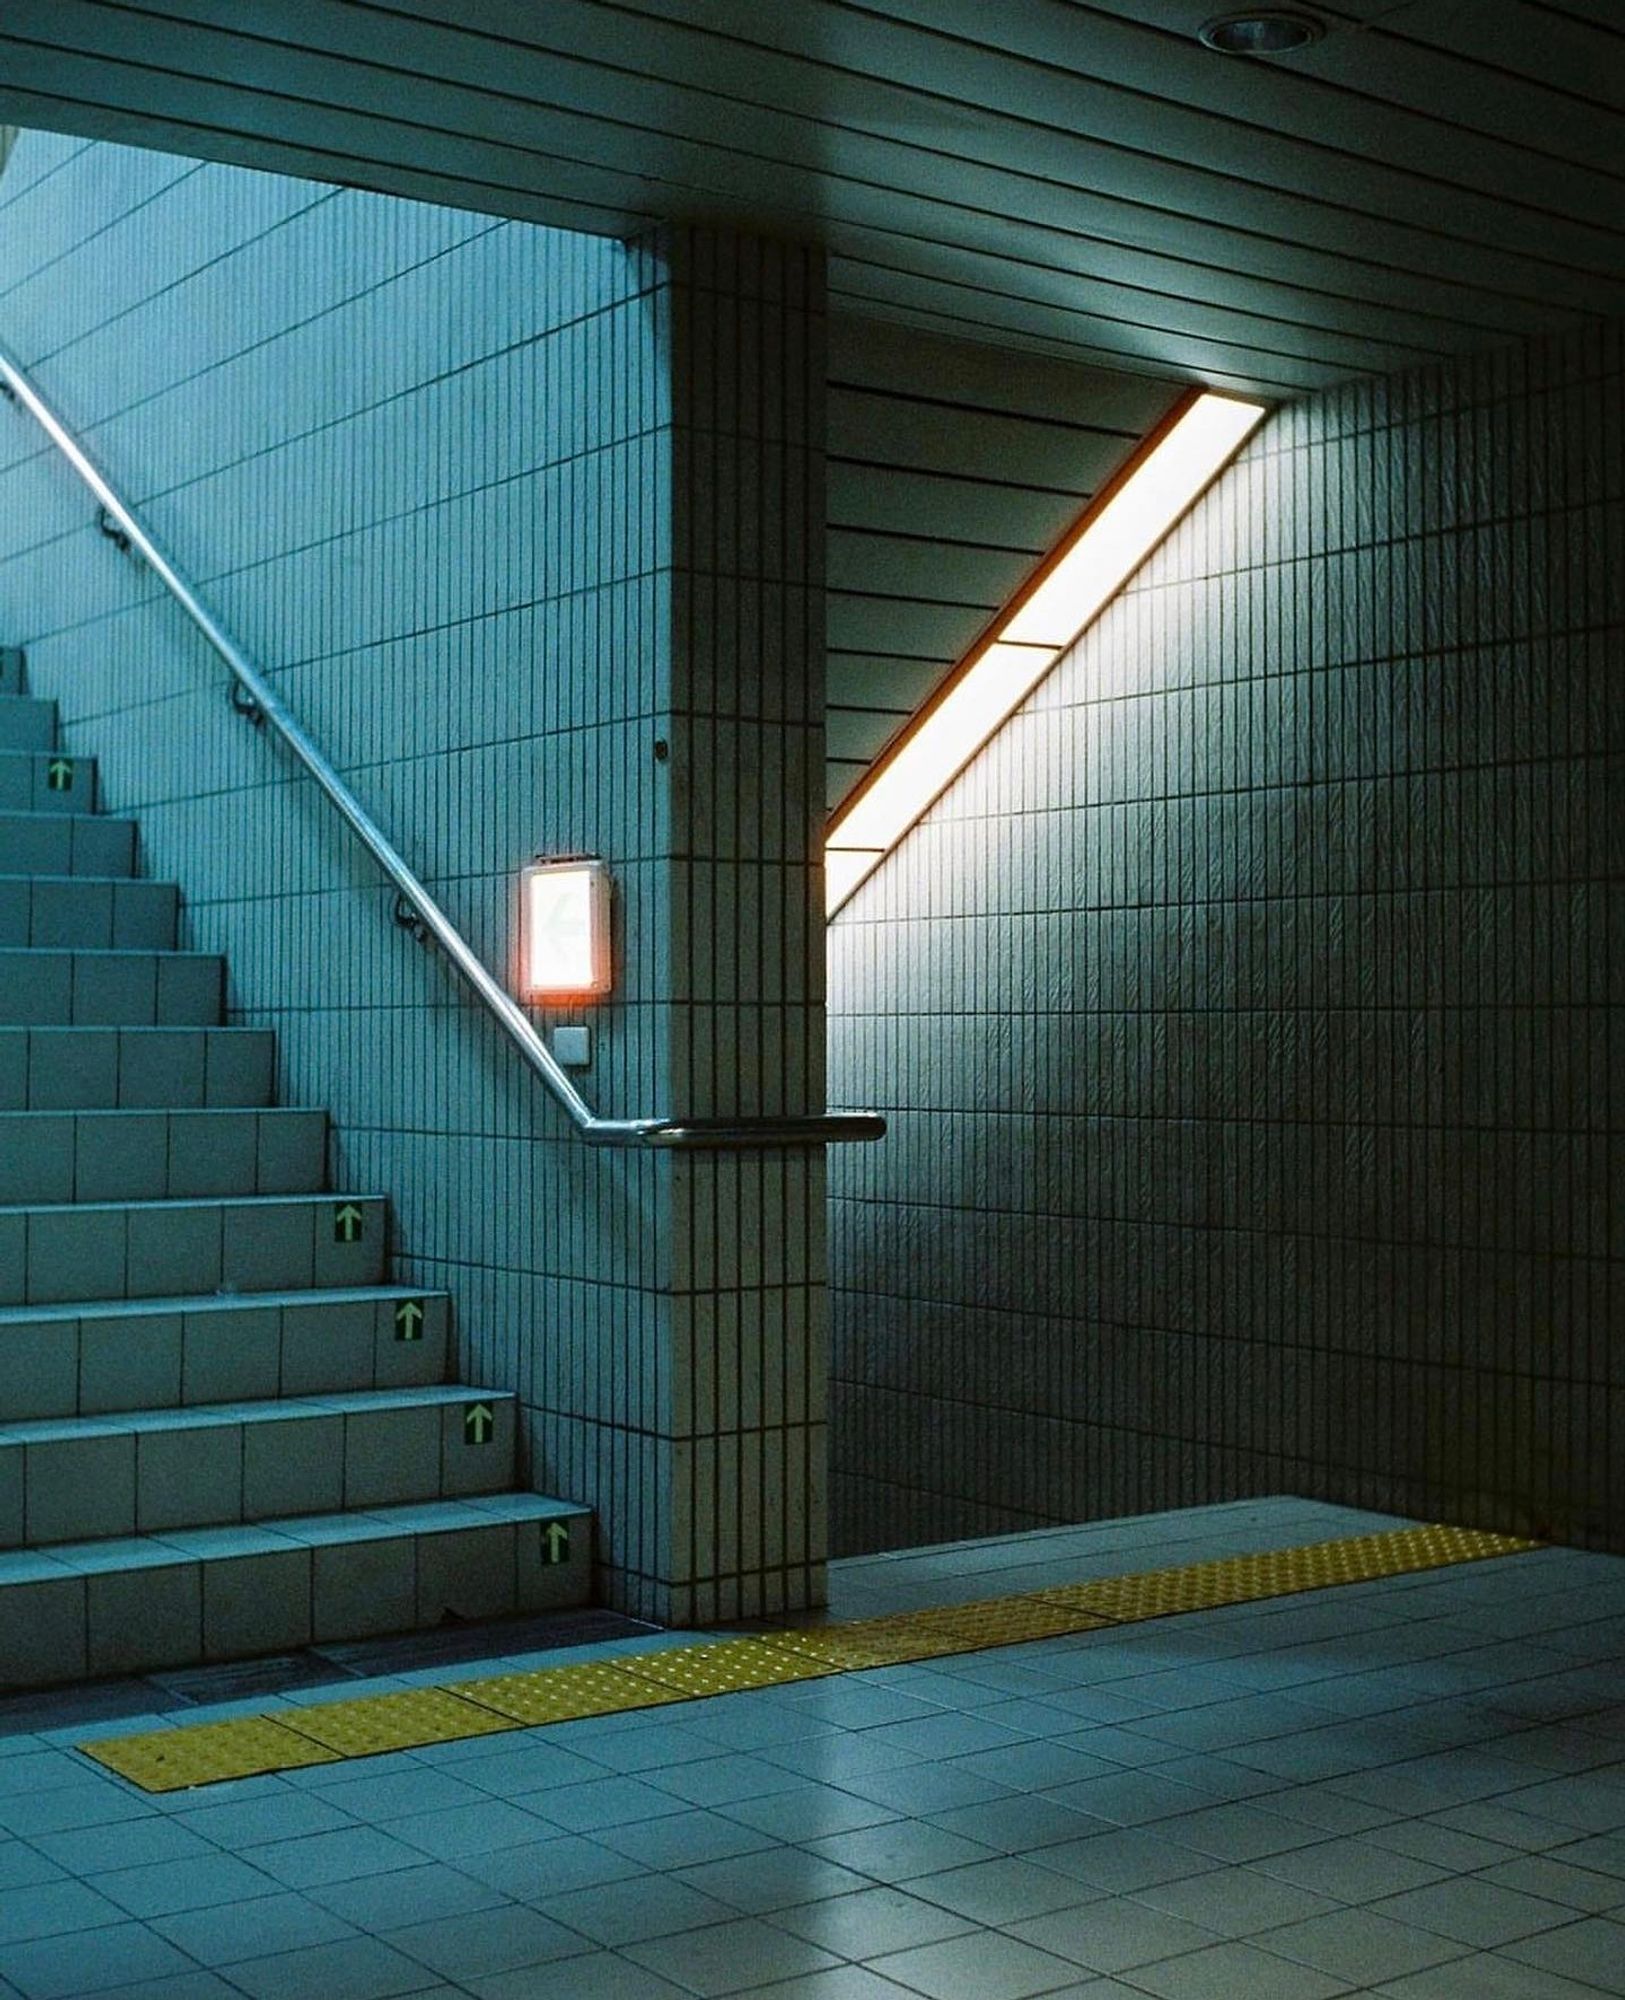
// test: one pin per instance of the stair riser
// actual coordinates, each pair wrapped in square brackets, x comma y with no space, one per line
[62,1366]
[11,670]
[48,1156]
[198,1475]
[72,913]
[26,725]
[88,989]
[135,1069]
[168,1251]
[60,844]
[233,1607]
[46,783]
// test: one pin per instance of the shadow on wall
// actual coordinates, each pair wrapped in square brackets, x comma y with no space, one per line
[1243,1013]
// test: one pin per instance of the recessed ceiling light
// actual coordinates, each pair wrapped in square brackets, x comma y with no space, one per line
[1267,32]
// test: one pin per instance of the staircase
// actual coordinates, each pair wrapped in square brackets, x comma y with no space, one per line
[222,1432]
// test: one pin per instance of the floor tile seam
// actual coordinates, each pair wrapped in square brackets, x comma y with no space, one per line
[1423,1545]
[1260,1938]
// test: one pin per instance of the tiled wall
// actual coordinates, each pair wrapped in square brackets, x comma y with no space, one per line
[1252,1012]
[527,528]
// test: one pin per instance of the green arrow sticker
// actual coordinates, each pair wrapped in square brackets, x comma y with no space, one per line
[555,1543]
[59,774]
[479,1421]
[347,1223]
[409,1320]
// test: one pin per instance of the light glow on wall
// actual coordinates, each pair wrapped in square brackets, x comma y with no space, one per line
[564,930]
[1113,538]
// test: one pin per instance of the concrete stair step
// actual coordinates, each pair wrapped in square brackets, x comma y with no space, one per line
[87,913]
[163,1600]
[46,781]
[152,1249]
[135,1069]
[90,1357]
[56,843]
[221,1434]
[69,1479]
[63,1156]
[27,724]
[110,989]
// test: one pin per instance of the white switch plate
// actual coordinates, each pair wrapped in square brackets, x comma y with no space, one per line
[572,1047]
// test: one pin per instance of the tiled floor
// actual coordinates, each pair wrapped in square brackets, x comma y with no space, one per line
[1413,1788]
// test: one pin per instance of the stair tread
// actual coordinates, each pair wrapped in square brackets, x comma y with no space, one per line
[276,1409]
[170,1545]
[195,1302]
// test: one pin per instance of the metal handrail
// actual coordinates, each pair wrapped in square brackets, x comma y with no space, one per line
[255,699]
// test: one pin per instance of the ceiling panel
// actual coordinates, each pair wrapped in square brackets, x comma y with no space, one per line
[1081,179]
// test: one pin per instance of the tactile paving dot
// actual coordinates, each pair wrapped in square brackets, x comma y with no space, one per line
[376,1723]
[169,1760]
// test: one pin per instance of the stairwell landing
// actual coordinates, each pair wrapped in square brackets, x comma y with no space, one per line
[223,1431]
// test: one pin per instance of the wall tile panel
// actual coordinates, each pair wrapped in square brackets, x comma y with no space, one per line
[1250,1010]
[497,507]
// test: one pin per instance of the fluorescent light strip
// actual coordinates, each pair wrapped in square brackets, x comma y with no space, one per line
[994,681]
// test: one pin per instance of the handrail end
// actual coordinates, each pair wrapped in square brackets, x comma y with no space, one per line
[694,1135]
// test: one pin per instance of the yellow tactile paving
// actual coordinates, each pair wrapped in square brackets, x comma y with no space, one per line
[1011,1621]
[1280,1572]
[567,1694]
[372,1724]
[169,1759]
[873,1642]
[725,1667]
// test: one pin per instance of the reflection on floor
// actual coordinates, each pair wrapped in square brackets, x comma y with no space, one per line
[1414,1788]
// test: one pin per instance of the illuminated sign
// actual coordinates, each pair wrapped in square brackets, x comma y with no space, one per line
[564,930]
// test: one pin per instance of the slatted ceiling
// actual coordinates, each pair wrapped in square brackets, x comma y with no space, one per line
[981,301]
[979,375]
[1337,102]
[1078,134]
[957,509]
[951,474]
[884,564]
[943,434]
[1602,14]
[1510,65]
[1564,55]
[855,679]
[1082,178]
